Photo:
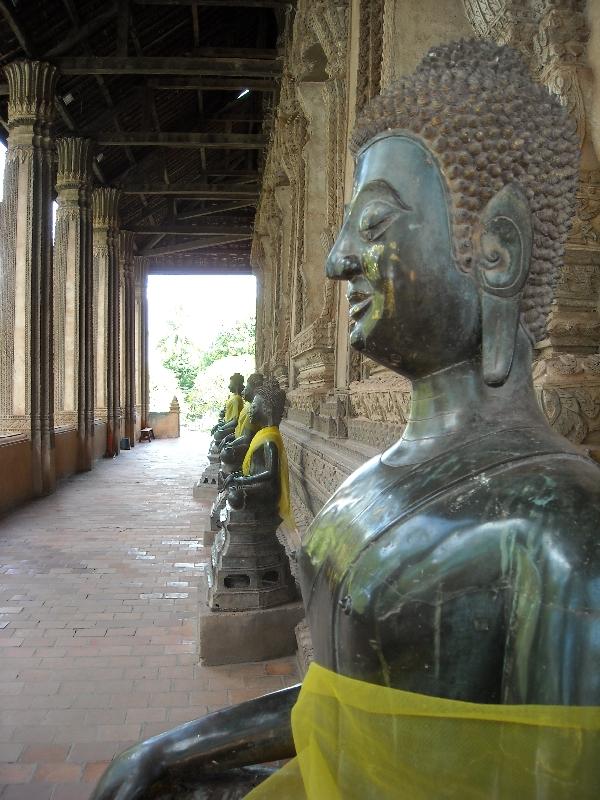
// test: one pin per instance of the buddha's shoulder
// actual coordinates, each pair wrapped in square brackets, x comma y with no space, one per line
[565,483]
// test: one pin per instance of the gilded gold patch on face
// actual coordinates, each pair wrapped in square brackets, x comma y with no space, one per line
[371,263]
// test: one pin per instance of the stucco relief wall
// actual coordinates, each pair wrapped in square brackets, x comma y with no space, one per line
[343,408]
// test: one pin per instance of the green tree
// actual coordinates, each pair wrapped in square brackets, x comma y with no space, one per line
[181,356]
[238,340]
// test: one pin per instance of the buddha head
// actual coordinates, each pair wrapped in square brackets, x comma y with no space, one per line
[236,383]
[463,196]
[254,381]
[268,404]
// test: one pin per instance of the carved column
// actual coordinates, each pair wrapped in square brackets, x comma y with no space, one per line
[26,396]
[141,337]
[107,319]
[73,356]
[128,328]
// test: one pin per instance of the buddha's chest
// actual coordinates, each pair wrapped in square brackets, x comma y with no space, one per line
[409,585]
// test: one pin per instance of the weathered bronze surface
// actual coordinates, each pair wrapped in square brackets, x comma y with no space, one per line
[463,562]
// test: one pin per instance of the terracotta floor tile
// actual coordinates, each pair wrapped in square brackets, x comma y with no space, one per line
[100,646]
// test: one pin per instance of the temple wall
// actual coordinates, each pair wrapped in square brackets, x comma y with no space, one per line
[15,471]
[343,408]
[66,452]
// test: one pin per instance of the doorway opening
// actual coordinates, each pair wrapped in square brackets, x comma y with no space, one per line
[201,329]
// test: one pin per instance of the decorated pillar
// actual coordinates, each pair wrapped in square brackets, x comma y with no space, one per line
[73,301]
[141,341]
[128,326]
[26,284]
[105,204]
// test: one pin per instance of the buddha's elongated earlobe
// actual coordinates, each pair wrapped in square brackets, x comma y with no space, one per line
[503,252]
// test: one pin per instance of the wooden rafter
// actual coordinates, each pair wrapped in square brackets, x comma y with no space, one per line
[152,65]
[208,191]
[16,25]
[181,229]
[184,247]
[215,84]
[82,32]
[123,27]
[220,3]
[205,212]
[233,141]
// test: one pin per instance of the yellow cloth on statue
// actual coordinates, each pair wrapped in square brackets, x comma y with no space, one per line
[239,428]
[357,740]
[272,434]
[233,407]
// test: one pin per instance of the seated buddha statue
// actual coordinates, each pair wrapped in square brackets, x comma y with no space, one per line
[233,447]
[463,562]
[262,484]
[233,408]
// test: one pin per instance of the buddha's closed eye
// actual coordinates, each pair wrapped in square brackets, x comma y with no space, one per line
[375,218]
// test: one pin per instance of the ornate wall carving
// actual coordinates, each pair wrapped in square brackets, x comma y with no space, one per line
[552,35]
[338,54]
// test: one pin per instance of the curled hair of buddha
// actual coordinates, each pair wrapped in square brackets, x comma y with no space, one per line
[477,108]
[255,380]
[237,380]
[274,396]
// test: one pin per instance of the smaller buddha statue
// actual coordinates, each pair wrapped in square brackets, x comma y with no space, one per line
[263,481]
[233,447]
[249,568]
[233,408]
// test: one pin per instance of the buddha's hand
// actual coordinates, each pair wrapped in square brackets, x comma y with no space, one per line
[230,480]
[129,776]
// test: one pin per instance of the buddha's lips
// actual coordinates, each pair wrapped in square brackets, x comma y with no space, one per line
[359,303]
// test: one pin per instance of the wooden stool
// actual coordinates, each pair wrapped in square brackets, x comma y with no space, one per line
[146,435]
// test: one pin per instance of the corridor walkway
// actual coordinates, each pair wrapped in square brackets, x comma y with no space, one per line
[98,617]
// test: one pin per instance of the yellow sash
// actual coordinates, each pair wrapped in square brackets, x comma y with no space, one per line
[233,407]
[357,740]
[271,434]
[239,428]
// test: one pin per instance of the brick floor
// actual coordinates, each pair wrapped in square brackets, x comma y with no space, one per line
[98,622]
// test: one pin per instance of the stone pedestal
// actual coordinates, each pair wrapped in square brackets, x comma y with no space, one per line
[249,568]
[234,637]
[210,475]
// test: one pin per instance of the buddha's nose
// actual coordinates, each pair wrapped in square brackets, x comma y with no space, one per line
[342,263]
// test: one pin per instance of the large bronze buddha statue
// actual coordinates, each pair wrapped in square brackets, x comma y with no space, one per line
[463,562]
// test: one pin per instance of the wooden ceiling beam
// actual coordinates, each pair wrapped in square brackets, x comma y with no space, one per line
[215,84]
[82,32]
[220,141]
[220,3]
[206,212]
[15,23]
[207,191]
[123,28]
[185,247]
[224,64]
[181,229]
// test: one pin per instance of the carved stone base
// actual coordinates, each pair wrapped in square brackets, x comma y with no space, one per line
[215,511]
[249,568]
[260,634]
[210,475]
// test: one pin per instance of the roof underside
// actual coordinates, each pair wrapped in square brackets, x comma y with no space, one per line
[157,84]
